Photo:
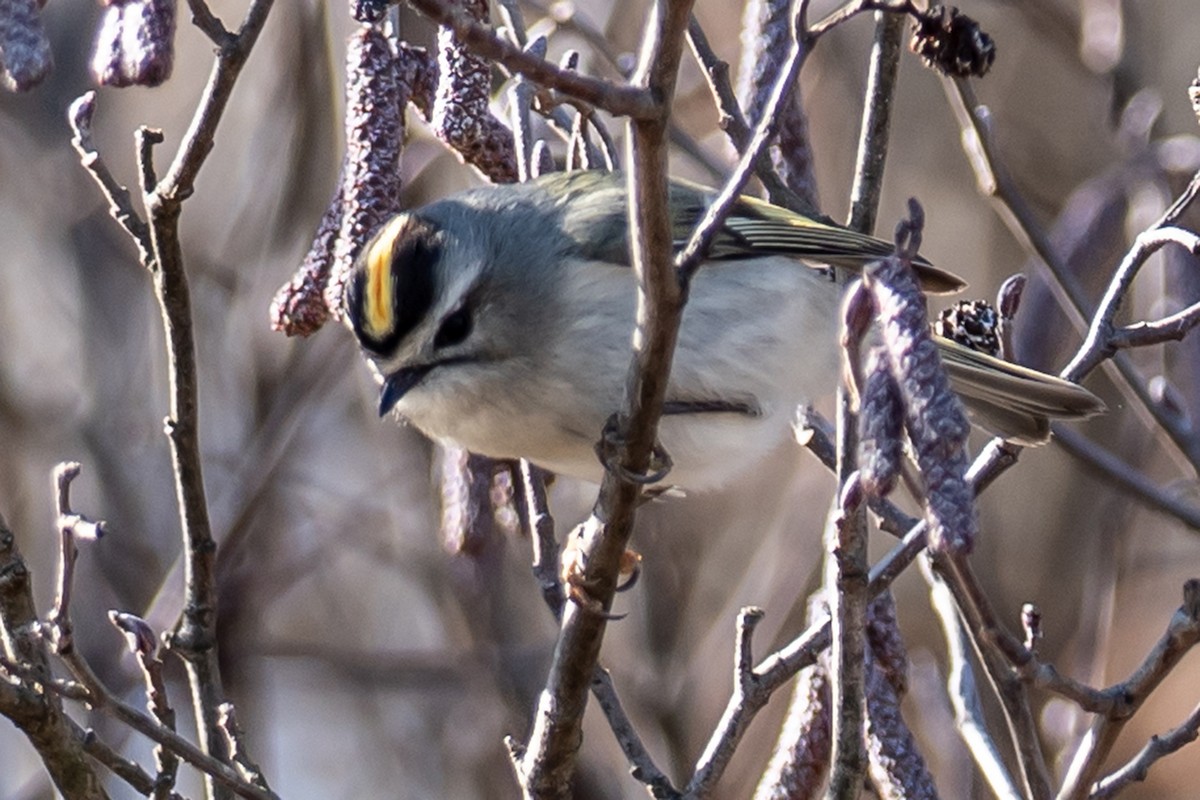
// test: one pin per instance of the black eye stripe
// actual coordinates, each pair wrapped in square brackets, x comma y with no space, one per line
[412,263]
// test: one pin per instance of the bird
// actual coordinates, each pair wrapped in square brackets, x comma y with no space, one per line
[501,319]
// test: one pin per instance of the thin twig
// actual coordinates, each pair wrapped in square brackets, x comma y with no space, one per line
[642,766]
[694,252]
[876,122]
[731,120]
[25,655]
[195,638]
[1138,767]
[88,689]
[144,646]
[1182,633]
[995,648]
[1099,344]
[995,183]
[779,667]
[120,202]
[620,100]
[846,575]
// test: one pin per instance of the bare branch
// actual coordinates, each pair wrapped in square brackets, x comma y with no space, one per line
[144,646]
[120,202]
[963,691]
[642,765]
[731,120]
[37,714]
[548,761]
[1099,344]
[694,252]
[627,101]
[997,650]
[996,184]
[776,669]
[70,526]
[1182,634]
[1138,767]
[197,143]
[876,122]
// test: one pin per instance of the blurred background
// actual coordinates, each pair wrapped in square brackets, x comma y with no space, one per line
[365,657]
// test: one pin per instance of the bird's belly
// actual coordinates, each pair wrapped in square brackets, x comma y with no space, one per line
[762,341]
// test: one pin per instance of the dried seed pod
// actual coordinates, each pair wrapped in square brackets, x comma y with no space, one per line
[766,39]
[971,323]
[462,116]
[369,10]
[895,768]
[374,136]
[952,43]
[883,634]
[936,422]
[417,75]
[25,58]
[880,427]
[135,43]
[298,308]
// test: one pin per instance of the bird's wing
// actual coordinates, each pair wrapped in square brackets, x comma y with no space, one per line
[594,218]
[1010,400]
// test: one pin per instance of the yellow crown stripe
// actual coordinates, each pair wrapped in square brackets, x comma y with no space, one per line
[379,300]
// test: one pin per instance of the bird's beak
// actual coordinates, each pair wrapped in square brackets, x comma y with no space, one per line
[396,385]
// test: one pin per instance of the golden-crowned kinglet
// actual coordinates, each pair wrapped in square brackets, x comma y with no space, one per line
[501,318]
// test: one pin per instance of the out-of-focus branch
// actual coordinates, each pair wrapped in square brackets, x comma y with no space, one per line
[964,694]
[766,31]
[1108,467]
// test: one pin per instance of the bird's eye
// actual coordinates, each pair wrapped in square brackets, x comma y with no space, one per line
[455,328]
